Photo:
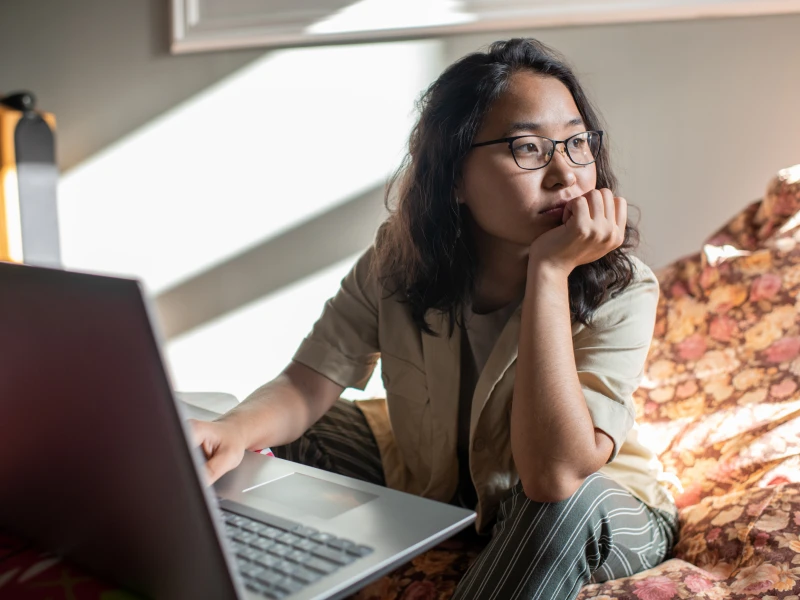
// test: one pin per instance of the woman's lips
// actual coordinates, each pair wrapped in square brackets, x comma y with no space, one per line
[556,211]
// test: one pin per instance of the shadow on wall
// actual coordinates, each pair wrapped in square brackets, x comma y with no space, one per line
[272,265]
[103,68]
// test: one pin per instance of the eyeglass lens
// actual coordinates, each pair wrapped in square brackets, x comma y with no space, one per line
[534,152]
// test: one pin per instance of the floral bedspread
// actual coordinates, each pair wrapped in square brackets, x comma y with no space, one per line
[720,398]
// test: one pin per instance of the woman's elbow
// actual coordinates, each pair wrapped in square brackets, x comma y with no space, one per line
[550,489]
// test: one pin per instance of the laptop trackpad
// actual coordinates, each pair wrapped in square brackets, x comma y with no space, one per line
[308,495]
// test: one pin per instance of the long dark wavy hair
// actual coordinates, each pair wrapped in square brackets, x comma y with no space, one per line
[424,253]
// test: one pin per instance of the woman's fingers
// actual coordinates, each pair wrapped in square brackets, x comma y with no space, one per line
[596,204]
[199,431]
[583,217]
[621,216]
[594,225]
[600,217]
[609,205]
[223,460]
[219,447]
[607,228]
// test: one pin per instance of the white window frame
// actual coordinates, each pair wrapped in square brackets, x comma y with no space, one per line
[192,31]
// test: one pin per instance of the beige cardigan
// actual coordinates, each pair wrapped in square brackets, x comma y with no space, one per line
[416,426]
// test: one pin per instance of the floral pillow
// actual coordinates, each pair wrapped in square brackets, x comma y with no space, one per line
[720,397]
[740,546]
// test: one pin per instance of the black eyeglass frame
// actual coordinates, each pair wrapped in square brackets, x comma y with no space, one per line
[510,141]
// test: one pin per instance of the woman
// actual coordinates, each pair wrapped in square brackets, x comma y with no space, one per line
[512,325]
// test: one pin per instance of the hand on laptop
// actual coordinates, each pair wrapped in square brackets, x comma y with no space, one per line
[222,445]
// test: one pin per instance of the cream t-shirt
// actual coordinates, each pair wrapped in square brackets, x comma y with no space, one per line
[480,334]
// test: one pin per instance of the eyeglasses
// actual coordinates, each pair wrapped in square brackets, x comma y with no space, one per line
[532,152]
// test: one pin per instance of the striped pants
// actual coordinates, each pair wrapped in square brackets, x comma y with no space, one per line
[542,551]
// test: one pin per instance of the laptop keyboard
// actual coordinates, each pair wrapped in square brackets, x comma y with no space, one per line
[278,558]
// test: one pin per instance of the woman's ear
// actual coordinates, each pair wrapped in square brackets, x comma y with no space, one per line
[457,193]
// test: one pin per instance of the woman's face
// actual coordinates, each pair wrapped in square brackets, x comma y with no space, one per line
[507,202]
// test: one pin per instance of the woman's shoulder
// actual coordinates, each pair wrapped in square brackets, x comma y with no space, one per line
[365,273]
[366,279]
[637,301]
[642,288]
[643,275]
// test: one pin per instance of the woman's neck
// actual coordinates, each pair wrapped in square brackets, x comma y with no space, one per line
[501,273]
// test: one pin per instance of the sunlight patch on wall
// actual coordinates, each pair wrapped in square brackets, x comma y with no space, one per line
[387,14]
[245,349]
[280,141]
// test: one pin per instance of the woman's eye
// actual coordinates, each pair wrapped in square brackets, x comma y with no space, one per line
[578,142]
[528,148]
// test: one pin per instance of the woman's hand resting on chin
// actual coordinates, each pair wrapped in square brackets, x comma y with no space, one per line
[592,225]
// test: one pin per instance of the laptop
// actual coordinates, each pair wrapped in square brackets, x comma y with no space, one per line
[97,465]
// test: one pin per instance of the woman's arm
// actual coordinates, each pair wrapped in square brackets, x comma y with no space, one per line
[281,410]
[340,351]
[553,439]
[277,413]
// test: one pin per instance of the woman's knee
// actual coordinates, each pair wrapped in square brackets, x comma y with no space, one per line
[590,497]
[535,545]
[577,529]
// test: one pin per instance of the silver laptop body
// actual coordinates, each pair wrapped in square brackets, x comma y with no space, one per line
[95,464]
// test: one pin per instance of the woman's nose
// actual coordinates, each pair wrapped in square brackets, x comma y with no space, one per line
[560,170]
